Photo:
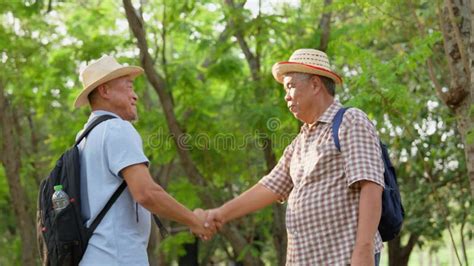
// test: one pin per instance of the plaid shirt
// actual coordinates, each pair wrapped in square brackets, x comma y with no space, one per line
[321,186]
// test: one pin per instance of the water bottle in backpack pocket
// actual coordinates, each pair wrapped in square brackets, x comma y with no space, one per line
[60,226]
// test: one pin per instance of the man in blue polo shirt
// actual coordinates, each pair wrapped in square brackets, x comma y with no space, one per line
[112,153]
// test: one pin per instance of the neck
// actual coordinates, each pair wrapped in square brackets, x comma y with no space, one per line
[103,107]
[319,108]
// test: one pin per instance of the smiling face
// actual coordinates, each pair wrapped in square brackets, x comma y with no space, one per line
[300,95]
[123,98]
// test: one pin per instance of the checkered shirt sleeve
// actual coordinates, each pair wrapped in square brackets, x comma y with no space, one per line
[361,149]
[279,180]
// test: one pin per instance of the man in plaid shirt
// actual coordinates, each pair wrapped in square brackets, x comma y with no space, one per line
[334,198]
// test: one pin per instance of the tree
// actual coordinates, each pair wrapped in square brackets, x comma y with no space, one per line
[213,120]
[457,25]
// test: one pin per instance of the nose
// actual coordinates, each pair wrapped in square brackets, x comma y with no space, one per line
[287,96]
[135,96]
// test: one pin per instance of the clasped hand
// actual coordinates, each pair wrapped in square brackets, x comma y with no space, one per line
[210,221]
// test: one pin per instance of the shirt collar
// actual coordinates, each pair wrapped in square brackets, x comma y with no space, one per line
[93,116]
[330,112]
[326,117]
[97,113]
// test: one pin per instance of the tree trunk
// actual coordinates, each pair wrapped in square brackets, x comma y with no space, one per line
[325,26]
[34,149]
[11,160]
[253,61]
[399,255]
[279,233]
[152,245]
[456,21]
[278,224]
[161,88]
[190,258]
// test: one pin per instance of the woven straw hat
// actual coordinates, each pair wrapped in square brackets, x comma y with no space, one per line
[309,61]
[104,69]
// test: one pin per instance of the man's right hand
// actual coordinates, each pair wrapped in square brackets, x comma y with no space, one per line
[251,200]
[199,228]
[215,217]
[212,219]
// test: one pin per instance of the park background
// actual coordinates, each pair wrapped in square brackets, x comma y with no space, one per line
[213,120]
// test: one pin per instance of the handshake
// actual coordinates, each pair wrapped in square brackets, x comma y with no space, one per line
[207,222]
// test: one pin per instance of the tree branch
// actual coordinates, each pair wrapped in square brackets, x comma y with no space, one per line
[11,161]
[471,50]
[163,50]
[406,250]
[236,240]
[458,38]
[325,26]
[254,65]
[210,59]
[429,62]
[252,60]
[161,88]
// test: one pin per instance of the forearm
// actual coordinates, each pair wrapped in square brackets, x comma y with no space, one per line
[162,204]
[251,200]
[370,209]
[154,198]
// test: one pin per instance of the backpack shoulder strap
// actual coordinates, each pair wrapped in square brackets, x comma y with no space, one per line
[97,121]
[107,206]
[336,123]
[119,190]
[164,233]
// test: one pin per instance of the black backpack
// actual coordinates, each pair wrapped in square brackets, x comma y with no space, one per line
[63,238]
[392,209]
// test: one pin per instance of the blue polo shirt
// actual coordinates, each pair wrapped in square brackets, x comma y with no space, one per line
[122,236]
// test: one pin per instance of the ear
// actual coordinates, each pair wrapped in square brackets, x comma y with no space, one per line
[104,91]
[316,84]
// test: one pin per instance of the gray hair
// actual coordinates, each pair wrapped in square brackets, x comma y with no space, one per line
[329,84]
[92,95]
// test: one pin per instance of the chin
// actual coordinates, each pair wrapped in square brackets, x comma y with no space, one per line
[296,115]
[131,117]
[300,118]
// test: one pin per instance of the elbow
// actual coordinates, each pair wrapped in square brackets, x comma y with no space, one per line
[148,196]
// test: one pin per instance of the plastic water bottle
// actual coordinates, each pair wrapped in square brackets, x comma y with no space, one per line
[60,199]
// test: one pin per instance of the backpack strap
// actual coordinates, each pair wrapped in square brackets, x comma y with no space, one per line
[164,233]
[336,123]
[97,121]
[107,206]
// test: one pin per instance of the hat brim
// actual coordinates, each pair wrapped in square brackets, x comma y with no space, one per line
[281,68]
[132,71]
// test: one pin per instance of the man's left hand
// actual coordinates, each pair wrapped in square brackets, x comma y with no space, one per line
[363,256]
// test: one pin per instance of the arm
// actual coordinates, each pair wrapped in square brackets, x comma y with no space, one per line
[275,186]
[251,200]
[154,198]
[364,167]
[370,210]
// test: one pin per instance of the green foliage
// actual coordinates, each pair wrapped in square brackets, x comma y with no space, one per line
[375,45]
[183,191]
[173,246]
[9,237]
[470,136]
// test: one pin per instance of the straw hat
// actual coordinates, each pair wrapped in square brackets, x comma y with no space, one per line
[104,69]
[309,61]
